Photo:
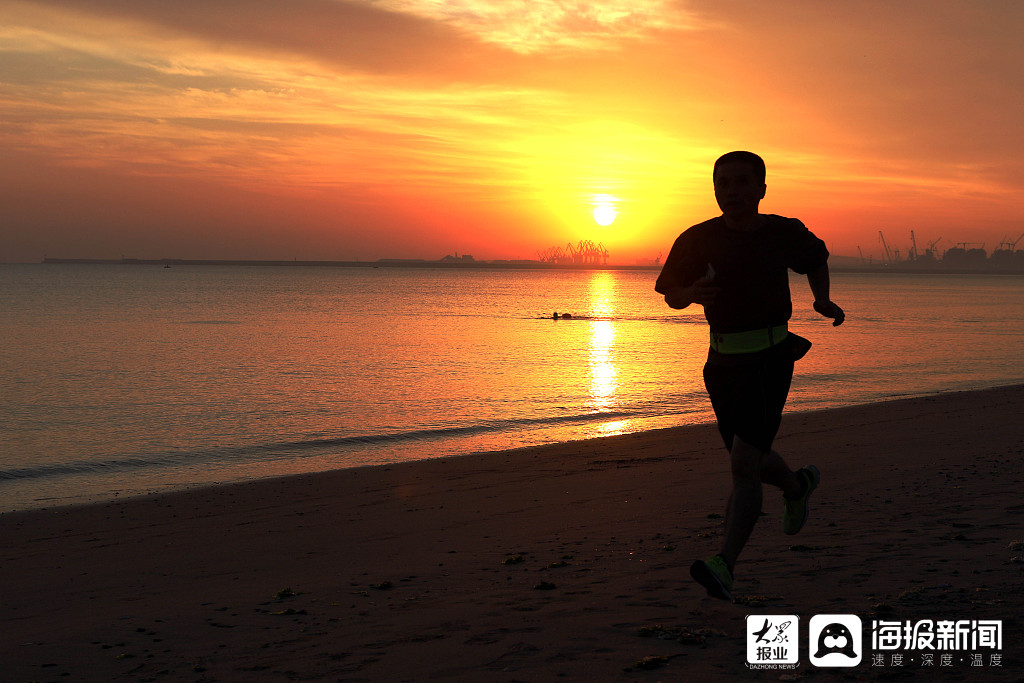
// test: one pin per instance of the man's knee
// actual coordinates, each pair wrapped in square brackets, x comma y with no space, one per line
[746,460]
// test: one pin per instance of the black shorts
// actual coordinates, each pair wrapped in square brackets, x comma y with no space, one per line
[748,393]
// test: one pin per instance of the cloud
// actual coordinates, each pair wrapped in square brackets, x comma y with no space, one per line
[160,101]
[360,36]
[528,26]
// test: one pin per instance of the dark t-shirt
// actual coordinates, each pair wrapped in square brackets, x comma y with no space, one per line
[750,268]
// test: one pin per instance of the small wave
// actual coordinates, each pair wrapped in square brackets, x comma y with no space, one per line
[300,446]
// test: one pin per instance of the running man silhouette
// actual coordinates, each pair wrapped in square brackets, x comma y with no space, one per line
[736,267]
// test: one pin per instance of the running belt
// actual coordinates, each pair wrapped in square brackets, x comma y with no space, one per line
[750,341]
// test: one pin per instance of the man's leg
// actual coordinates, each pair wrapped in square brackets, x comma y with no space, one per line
[745,502]
[734,393]
[797,488]
[751,467]
[776,472]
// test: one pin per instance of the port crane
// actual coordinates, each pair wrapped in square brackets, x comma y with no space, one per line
[1010,246]
[588,252]
[888,252]
[551,255]
[584,252]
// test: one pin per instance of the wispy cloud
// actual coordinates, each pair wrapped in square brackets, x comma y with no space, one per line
[90,92]
[529,26]
[355,34]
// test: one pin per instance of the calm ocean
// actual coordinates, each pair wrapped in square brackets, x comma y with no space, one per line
[121,380]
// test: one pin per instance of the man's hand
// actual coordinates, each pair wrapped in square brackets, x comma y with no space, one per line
[830,310]
[702,292]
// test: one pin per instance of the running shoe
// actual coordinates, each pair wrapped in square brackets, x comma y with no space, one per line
[714,575]
[795,514]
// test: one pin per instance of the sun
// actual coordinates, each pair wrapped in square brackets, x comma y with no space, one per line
[604,214]
[604,209]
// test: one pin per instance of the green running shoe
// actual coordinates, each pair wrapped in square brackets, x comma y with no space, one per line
[714,575]
[795,514]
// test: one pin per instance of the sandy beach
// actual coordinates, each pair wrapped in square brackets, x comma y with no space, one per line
[562,562]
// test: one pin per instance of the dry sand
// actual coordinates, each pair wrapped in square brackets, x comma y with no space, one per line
[541,564]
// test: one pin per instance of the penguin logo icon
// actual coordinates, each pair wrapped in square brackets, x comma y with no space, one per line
[838,638]
[835,638]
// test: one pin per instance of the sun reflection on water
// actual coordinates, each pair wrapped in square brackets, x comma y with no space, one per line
[603,372]
[603,359]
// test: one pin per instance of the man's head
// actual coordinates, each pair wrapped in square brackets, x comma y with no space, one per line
[749,158]
[739,185]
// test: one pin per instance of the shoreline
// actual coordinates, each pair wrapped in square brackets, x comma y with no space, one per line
[552,563]
[141,491]
[144,491]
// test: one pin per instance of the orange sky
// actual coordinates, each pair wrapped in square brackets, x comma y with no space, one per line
[332,129]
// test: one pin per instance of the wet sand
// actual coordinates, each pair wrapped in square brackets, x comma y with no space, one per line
[563,562]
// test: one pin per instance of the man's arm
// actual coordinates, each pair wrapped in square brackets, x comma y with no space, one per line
[819,281]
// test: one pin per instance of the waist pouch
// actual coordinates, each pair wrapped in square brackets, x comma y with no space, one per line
[798,345]
[750,341]
[764,343]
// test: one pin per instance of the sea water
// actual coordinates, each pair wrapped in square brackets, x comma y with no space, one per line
[121,380]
